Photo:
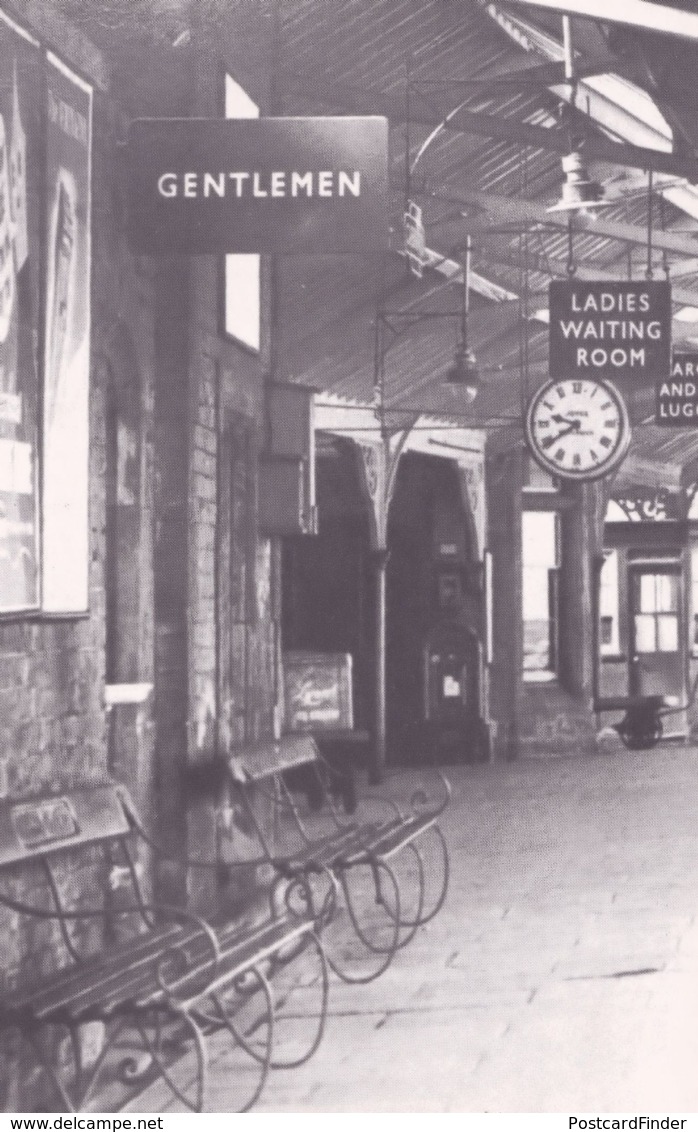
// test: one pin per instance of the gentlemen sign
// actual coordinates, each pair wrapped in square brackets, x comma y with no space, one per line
[258,185]
[616,330]
[677,398]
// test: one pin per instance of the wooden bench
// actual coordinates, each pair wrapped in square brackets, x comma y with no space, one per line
[139,988]
[328,846]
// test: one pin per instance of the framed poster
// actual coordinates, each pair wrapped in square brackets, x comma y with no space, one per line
[66,341]
[20,139]
[318,691]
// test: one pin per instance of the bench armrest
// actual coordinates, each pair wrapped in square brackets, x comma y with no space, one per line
[213,864]
[420,804]
[148,912]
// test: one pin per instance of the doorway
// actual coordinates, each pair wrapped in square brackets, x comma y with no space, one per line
[655,653]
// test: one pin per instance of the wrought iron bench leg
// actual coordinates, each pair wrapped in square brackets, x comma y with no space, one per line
[443,869]
[146,1039]
[316,1038]
[386,950]
[222,1017]
[409,923]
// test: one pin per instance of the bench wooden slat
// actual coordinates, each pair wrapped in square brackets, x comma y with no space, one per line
[79,983]
[126,974]
[265,759]
[171,967]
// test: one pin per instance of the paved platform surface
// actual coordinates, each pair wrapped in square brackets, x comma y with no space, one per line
[562,973]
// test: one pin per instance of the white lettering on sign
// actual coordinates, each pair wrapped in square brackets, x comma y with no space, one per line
[241,184]
[598,358]
[610,329]
[683,368]
[683,409]
[677,389]
[607,303]
[677,397]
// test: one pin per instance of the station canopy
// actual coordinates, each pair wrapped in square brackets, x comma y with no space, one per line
[480,109]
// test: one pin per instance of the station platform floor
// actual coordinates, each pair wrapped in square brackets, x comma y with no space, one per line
[561,974]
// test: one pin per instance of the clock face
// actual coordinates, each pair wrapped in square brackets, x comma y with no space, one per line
[578,428]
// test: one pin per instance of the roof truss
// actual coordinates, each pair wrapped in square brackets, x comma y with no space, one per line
[595,147]
[634,13]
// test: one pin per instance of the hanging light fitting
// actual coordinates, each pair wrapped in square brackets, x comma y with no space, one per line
[580,192]
[464,374]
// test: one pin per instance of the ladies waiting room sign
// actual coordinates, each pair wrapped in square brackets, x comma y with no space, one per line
[610,330]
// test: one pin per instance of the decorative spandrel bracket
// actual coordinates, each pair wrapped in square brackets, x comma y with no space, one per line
[471,480]
[378,464]
[648,504]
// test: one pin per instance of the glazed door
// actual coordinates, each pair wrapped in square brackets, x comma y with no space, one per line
[656,666]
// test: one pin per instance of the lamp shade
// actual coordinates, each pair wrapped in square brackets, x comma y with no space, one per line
[464,373]
[580,192]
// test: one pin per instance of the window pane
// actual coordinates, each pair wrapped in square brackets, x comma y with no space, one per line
[645,635]
[667,588]
[242,272]
[242,298]
[648,593]
[667,632]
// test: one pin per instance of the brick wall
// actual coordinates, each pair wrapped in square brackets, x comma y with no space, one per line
[184,593]
[54,729]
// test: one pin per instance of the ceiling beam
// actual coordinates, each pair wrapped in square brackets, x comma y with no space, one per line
[634,13]
[519,133]
[540,76]
[548,266]
[493,209]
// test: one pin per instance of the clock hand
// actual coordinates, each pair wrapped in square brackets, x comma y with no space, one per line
[564,420]
[573,426]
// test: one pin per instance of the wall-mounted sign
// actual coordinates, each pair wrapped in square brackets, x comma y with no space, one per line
[318,691]
[284,185]
[677,397]
[616,330]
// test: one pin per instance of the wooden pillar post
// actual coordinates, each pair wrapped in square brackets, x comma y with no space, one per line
[378,465]
[380,566]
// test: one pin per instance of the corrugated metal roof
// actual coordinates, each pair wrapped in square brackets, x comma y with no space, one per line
[419,55]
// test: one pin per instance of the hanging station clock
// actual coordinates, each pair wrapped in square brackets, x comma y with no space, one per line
[578,429]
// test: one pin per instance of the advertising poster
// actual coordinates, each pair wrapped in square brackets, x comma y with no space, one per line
[66,341]
[19,135]
[318,691]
